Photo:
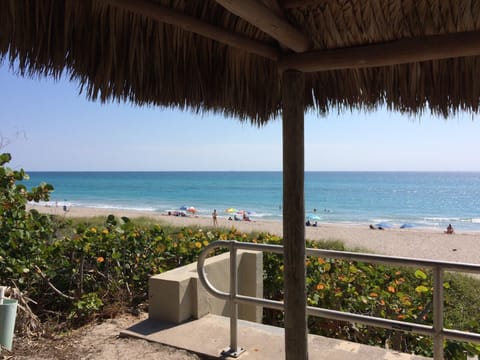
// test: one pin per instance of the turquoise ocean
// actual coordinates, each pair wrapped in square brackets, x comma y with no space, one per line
[417,199]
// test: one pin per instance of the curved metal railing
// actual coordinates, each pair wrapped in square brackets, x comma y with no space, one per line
[437,330]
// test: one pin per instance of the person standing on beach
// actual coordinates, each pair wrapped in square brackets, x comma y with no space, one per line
[214,217]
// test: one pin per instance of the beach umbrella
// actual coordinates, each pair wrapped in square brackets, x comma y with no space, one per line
[231,210]
[313,217]
[255,60]
[191,210]
[384,225]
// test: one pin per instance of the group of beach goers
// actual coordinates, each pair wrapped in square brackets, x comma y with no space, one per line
[241,215]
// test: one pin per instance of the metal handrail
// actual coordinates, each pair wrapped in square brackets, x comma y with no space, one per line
[437,330]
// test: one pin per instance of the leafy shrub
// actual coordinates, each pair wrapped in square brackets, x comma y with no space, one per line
[24,235]
[403,294]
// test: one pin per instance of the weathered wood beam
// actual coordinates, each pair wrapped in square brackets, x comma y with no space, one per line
[263,18]
[290,4]
[192,24]
[403,51]
[274,6]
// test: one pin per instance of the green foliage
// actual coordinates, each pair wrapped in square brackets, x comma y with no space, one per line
[403,294]
[24,235]
[85,308]
[116,259]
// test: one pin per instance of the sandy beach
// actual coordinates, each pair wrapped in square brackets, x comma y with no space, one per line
[417,243]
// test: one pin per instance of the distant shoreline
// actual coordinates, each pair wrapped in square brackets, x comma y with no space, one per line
[433,244]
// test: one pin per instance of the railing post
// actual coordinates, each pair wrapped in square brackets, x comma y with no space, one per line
[234,350]
[438,313]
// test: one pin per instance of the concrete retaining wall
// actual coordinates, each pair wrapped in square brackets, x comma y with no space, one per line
[177,295]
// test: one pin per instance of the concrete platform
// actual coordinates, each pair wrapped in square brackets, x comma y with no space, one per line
[210,334]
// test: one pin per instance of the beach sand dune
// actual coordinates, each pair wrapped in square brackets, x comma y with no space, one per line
[414,243]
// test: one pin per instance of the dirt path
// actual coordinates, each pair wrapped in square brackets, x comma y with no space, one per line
[99,341]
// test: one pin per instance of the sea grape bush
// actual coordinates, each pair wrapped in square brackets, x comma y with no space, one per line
[94,268]
[372,290]
[403,294]
[116,259]
[24,235]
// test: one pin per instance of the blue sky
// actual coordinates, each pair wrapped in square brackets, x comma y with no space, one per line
[47,125]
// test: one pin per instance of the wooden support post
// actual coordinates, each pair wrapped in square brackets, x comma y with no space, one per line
[293,94]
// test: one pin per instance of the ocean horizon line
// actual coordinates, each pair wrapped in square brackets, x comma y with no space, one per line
[256,171]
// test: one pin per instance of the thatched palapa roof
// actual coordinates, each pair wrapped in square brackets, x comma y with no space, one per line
[226,56]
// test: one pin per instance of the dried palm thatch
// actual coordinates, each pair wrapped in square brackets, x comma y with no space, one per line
[119,52]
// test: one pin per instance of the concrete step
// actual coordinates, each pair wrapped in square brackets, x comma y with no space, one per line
[210,334]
